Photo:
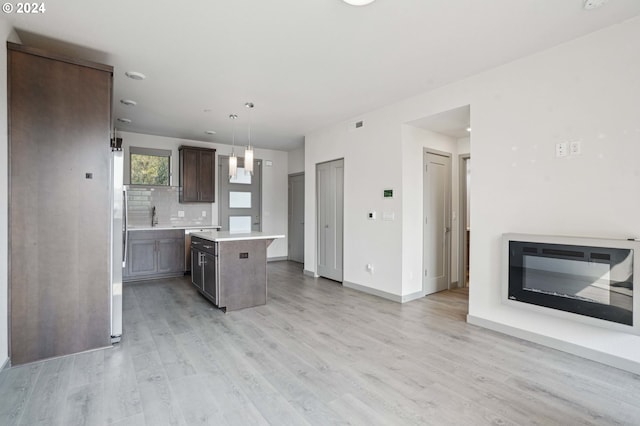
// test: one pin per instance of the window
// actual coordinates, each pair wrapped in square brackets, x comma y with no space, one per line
[150,166]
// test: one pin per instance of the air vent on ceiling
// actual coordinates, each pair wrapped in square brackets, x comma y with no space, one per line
[356,125]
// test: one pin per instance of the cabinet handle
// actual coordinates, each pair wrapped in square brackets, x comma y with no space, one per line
[208,247]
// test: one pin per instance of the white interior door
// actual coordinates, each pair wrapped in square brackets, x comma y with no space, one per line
[437,222]
[330,189]
[296,218]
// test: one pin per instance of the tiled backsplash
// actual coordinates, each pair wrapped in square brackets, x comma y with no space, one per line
[142,199]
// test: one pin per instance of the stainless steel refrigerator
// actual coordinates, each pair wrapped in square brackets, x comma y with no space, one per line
[118,237]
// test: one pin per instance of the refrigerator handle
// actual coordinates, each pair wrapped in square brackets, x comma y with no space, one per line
[125,230]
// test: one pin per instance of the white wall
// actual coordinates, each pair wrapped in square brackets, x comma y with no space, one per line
[296,160]
[584,90]
[274,180]
[6,34]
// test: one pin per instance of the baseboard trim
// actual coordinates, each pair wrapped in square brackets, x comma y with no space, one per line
[412,296]
[383,294]
[309,273]
[6,364]
[561,345]
[277,258]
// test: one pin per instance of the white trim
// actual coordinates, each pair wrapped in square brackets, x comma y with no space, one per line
[308,273]
[561,345]
[6,364]
[277,258]
[383,294]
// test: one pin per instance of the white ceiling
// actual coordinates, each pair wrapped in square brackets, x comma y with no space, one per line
[452,123]
[304,63]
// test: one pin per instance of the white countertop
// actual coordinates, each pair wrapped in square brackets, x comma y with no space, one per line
[171,227]
[218,236]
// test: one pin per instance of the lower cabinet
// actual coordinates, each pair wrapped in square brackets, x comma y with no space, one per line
[204,268]
[154,254]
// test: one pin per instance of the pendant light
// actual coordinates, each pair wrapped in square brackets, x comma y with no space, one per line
[248,152]
[233,160]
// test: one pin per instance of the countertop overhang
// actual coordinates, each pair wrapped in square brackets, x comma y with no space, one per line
[171,227]
[218,236]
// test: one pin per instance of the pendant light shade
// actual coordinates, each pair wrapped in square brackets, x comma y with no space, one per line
[233,160]
[248,160]
[248,152]
[233,165]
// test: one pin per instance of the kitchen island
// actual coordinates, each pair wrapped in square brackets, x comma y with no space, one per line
[230,268]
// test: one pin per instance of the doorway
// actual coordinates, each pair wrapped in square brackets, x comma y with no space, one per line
[330,212]
[296,217]
[437,221]
[240,197]
[464,234]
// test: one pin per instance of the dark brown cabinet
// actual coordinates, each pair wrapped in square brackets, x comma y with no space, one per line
[197,175]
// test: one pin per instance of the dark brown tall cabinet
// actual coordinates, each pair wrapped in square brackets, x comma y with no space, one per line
[197,175]
[60,208]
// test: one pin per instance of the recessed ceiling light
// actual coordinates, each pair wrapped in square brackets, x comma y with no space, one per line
[135,75]
[358,2]
[469,129]
[207,110]
[128,102]
[124,120]
[210,132]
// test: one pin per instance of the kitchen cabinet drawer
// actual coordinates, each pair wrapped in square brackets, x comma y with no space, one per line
[154,254]
[197,175]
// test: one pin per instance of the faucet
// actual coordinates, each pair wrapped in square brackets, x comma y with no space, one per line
[154,217]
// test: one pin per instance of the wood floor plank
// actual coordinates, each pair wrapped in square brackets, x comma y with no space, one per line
[49,393]
[85,405]
[16,386]
[159,405]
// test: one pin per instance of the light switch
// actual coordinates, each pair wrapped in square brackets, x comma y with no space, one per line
[561,149]
[180,213]
[204,213]
[388,216]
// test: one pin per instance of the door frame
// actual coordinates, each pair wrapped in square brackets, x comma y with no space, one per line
[291,175]
[426,151]
[317,227]
[462,222]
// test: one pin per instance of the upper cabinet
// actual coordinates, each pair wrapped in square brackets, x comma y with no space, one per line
[197,175]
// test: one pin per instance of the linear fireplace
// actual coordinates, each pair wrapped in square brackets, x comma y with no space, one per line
[591,278]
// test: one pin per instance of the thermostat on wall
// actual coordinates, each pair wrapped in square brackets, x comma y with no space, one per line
[387,193]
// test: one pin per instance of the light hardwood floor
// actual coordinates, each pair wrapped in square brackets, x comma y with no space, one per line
[317,353]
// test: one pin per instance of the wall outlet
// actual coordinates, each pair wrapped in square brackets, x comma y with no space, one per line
[180,213]
[575,148]
[204,213]
[371,215]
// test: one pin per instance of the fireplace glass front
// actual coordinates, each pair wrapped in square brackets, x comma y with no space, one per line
[591,281]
